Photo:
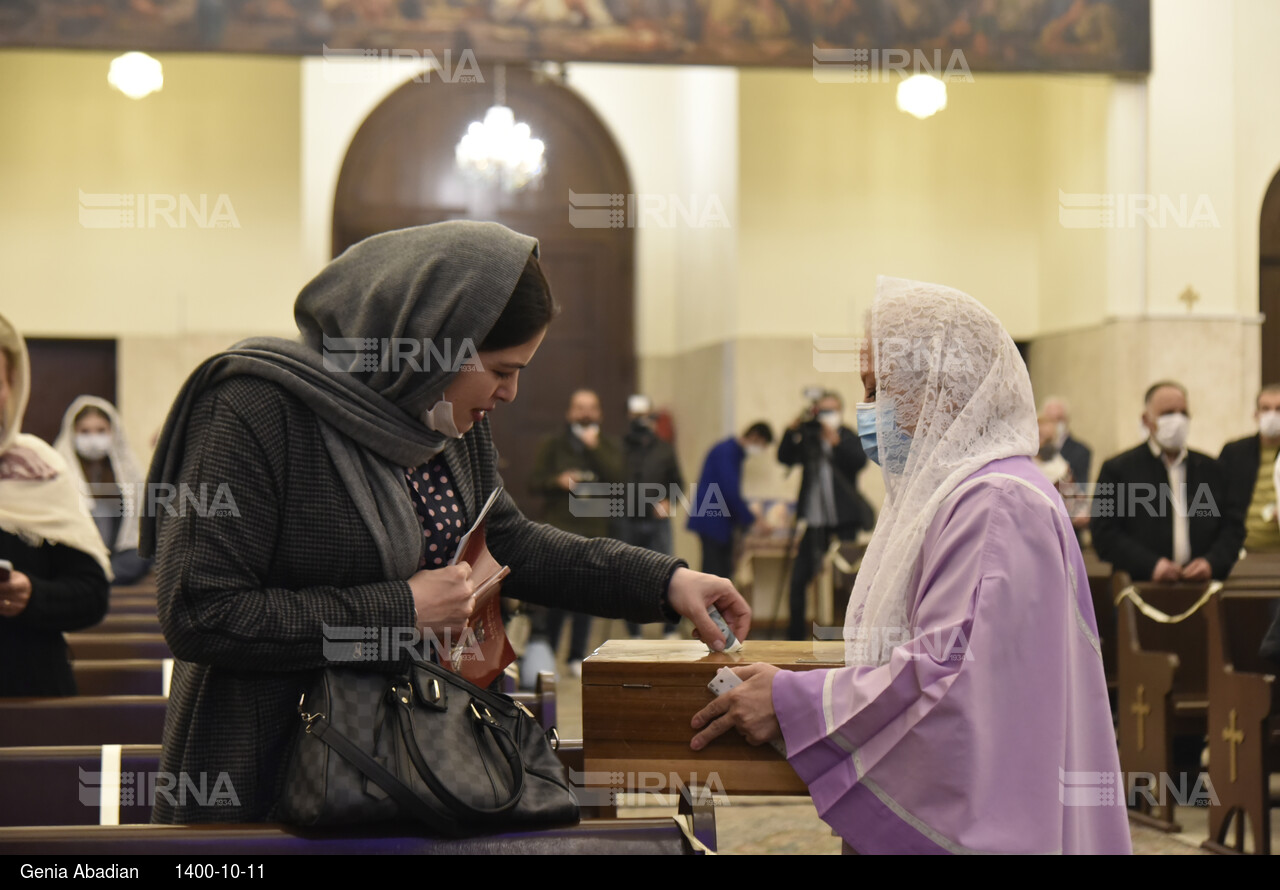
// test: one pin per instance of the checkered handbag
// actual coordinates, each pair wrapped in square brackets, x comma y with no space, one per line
[427,746]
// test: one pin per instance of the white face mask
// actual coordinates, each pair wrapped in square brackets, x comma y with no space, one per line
[1269,423]
[584,429]
[1171,431]
[439,418]
[93,446]
[1060,434]
[829,419]
[754,448]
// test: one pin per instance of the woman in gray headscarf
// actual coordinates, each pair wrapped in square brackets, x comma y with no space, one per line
[341,482]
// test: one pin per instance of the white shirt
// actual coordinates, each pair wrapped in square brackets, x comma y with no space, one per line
[1178,499]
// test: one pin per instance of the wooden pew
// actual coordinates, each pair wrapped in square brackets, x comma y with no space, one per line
[1244,716]
[627,837]
[145,587]
[132,676]
[1104,612]
[97,647]
[1163,686]
[1255,567]
[131,605]
[62,785]
[82,720]
[63,788]
[127,623]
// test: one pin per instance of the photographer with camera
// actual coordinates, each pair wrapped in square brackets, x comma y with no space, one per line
[829,501]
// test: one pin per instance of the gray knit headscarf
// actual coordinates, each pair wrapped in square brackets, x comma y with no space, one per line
[445,285]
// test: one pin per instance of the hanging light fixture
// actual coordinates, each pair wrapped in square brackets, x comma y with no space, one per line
[922,95]
[499,151]
[137,75]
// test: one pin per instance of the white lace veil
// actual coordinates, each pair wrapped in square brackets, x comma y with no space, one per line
[953,394]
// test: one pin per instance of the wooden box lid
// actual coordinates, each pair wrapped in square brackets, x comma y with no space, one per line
[690,663]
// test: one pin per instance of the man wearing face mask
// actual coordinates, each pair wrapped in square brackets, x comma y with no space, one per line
[1077,454]
[651,471]
[578,453]
[1251,468]
[1161,511]
[829,501]
[722,472]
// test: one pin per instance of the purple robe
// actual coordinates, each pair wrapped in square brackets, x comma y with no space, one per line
[994,712]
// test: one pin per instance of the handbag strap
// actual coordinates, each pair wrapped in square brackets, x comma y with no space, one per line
[410,803]
[460,808]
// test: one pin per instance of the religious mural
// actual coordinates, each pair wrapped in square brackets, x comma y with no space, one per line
[994,35]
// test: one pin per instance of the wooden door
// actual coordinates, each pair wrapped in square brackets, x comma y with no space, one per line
[399,171]
[1269,283]
[60,371]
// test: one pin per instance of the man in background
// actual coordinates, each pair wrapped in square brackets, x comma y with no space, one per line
[651,470]
[1162,512]
[722,472]
[1250,465]
[1077,454]
[577,453]
[829,501]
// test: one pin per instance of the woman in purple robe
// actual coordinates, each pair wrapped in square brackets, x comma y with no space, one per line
[972,713]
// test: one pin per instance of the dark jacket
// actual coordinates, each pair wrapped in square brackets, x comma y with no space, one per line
[722,472]
[804,446]
[1239,460]
[1136,539]
[560,453]
[1079,458]
[68,592]
[649,466]
[243,598]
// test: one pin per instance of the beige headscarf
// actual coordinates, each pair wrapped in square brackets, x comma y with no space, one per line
[38,500]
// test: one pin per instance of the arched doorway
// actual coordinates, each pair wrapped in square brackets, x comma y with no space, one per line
[399,171]
[1269,282]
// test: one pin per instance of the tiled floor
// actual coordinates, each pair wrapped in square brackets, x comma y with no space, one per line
[791,825]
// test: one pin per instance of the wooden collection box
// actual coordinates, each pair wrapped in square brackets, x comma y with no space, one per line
[638,697]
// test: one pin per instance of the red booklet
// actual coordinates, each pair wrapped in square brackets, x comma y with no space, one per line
[484,651]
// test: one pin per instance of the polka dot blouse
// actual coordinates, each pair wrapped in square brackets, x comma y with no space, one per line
[439,510]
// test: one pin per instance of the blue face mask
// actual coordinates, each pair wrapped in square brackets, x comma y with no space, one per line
[870,437]
[867,431]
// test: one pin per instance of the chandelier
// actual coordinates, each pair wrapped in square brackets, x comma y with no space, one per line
[499,151]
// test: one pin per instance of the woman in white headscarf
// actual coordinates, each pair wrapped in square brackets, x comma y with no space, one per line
[93,443]
[59,569]
[972,715]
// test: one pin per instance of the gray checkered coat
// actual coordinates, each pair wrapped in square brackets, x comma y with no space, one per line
[244,590]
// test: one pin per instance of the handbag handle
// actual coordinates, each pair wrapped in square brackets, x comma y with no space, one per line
[500,735]
[411,804]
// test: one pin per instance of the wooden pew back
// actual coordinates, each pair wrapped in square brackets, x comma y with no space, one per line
[1244,715]
[82,720]
[96,646]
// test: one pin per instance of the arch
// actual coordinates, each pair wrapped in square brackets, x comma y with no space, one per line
[399,171]
[1269,280]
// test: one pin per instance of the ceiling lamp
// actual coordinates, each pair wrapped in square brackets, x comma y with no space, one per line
[499,151]
[922,95]
[136,75]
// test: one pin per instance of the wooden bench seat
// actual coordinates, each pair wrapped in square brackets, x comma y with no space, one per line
[82,720]
[127,623]
[121,676]
[61,785]
[100,646]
